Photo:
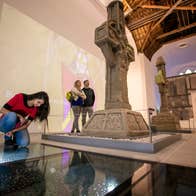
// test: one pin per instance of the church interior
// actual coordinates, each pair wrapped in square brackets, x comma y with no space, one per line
[98,97]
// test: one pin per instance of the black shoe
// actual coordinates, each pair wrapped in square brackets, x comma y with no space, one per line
[9,145]
[78,131]
[9,142]
[72,131]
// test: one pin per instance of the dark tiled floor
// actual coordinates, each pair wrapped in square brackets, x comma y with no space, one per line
[45,170]
[33,151]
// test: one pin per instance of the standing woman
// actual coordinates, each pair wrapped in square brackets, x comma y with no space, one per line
[76,104]
[18,113]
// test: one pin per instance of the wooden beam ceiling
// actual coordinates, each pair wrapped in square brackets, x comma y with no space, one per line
[158,22]
[176,30]
[128,8]
[153,24]
[146,38]
[165,7]
[141,2]
[166,14]
[145,20]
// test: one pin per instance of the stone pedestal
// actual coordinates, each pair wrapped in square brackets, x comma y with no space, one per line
[116,123]
[165,121]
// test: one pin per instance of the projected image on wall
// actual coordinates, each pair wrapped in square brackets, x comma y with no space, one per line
[38,58]
[78,69]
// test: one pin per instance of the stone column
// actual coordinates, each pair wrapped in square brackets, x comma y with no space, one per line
[160,64]
[163,121]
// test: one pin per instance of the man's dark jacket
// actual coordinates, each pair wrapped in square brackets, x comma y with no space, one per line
[90,97]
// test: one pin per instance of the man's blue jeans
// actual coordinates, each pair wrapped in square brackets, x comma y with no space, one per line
[8,123]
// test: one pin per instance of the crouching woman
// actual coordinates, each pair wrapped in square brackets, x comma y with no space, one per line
[18,113]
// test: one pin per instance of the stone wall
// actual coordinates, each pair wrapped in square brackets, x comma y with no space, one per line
[179,95]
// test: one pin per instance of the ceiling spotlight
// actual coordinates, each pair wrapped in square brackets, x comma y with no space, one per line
[183,45]
[188,71]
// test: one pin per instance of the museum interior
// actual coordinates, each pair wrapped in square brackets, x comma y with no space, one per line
[98,97]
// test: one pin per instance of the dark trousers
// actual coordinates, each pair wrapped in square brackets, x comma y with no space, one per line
[85,111]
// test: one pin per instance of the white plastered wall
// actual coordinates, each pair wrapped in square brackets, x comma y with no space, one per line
[140,80]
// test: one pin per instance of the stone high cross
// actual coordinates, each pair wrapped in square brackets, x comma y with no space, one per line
[117,120]
[112,40]
[160,64]
[164,120]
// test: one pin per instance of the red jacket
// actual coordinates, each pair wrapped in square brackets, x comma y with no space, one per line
[18,104]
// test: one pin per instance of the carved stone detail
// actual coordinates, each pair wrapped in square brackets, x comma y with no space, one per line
[131,122]
[114,122]
[142,124]
[97,122]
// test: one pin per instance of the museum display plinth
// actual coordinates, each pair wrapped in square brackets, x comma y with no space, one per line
[116,123]
[137,144]
[165,121]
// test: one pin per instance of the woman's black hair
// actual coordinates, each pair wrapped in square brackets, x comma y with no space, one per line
[44,109]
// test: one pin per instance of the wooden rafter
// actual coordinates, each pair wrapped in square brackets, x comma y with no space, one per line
[128,6]
[177,30]
[165,7]
[180,38]
[140,4]
[145,20]
[166,14]
[158,22]
[147,36]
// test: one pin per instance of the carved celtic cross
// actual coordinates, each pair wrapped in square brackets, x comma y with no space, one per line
[112,40]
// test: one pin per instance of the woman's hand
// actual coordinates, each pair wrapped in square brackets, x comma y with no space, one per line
[83,95]
[9,134]
[22,119]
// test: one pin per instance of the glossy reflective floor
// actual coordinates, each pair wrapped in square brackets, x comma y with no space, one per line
[45,170]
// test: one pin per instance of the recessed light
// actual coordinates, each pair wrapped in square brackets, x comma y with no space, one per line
[183,45]
[188,71]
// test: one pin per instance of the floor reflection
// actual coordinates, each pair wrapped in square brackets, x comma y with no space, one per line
[81,174]
[20,178]
[167,180]
[73,173]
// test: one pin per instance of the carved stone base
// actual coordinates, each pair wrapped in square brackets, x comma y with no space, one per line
[165,121]
[116,123]
[117,105]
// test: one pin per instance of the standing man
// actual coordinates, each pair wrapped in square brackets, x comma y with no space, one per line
[88,102]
